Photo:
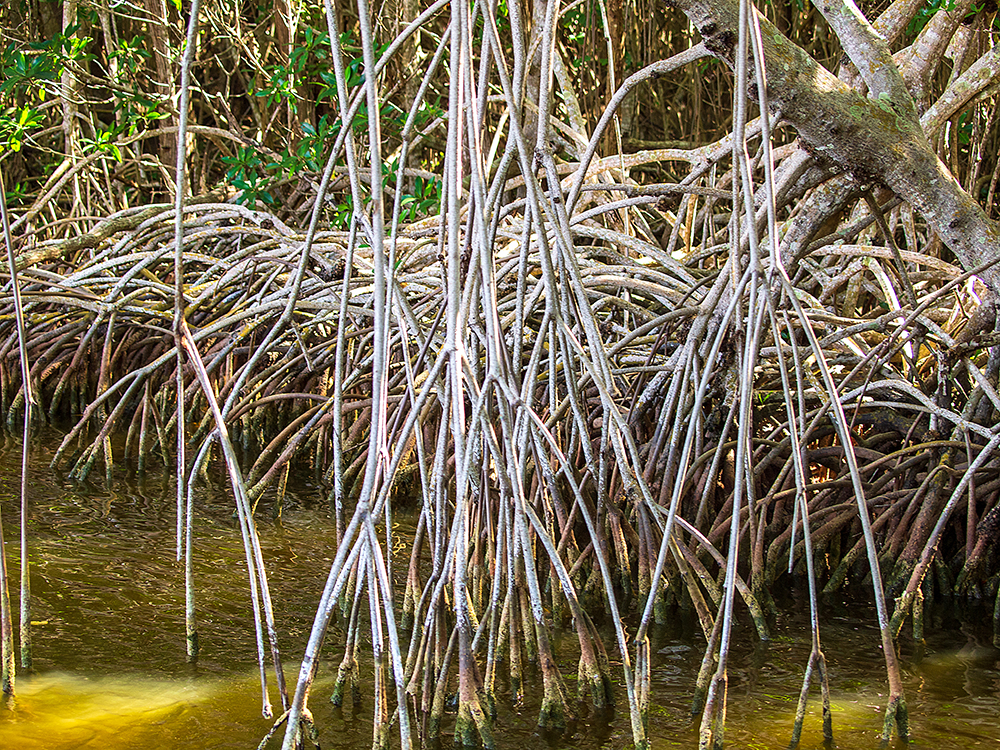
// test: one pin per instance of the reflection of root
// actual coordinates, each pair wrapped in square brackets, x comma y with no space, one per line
[436,715]
[433,721]
[381,739]
[347,673]
[193,646]
[900,575]
[708,664]
[593,675]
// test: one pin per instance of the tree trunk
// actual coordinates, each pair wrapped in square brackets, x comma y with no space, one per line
[159,34]
[876,139]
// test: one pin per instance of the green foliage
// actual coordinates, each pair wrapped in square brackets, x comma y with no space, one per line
[255,175]
[248,172]
[310,152]
[574,24]
[426,199]
[16,125]
[925,14]
[26,73]
[137,110]
[131,56]
[18,195]
[279,88]
[964,128]
[103,142]
[29,75]
[308,64]
[343,212]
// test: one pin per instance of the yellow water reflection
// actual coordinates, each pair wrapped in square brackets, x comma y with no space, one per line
[59,710]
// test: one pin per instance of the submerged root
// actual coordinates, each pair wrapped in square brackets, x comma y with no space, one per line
[436,715]
[896,717]
[473,726]
[347,679]
[554,712]
[594,685]
[308,728]
[817,664]
[552,716]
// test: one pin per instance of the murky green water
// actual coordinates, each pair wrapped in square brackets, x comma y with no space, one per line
[109,644]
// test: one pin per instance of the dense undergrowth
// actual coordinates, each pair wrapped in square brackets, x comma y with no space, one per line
[541,331]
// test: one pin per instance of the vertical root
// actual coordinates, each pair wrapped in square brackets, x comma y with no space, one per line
[896,715]
[347,677]
[800,709]
[996,619]
[713,719]
[514,641]
[440,692]
[554,712]
[705,672]
[817,666]
[593,678]
[474,726]
[825,687]
[381,723]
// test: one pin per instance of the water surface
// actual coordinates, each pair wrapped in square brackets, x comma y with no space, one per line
[110,670]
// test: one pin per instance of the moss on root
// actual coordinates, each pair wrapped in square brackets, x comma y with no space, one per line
[473,726]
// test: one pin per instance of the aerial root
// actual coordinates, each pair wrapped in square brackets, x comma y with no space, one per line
[312,733]
[896,715]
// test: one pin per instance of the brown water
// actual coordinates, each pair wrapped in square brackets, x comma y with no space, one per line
[109,643]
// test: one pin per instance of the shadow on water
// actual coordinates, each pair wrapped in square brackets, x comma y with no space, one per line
[109,644]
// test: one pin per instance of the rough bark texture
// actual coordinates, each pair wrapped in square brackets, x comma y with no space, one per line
[160,40]
[877,140]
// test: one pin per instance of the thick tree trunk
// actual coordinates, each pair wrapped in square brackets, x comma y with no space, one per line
[877,139]
[159,35]
[70,96]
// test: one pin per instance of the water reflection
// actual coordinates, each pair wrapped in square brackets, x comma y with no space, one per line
[65,710]
[110,668]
